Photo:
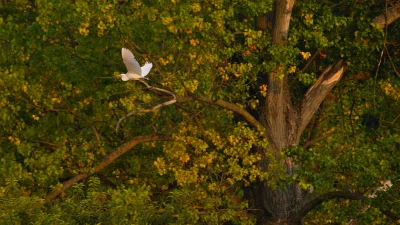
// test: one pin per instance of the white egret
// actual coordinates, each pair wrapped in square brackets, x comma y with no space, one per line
[135,72]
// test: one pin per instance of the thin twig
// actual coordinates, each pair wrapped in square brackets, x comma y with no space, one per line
[391,61]
[380,58]
[153,89]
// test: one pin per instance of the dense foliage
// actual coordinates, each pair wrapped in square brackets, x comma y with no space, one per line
[61,97]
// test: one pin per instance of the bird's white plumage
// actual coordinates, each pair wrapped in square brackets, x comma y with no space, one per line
[135,72]
[146,68]
[130,62]
[124,77]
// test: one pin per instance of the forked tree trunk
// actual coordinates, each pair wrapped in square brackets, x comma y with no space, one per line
[285,124]
[281,121]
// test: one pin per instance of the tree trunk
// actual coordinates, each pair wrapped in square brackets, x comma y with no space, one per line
[285,124]
[280,119]
[283,129]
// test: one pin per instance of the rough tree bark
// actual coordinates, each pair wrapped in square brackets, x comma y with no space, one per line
[285,122]
[391,14]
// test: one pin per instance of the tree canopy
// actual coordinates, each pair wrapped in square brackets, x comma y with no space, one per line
[256,112]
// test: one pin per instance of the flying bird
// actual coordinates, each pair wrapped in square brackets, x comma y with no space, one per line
[135,72]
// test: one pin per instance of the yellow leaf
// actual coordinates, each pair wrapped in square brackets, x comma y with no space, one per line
[164,187]
[194,42]
[56,100]
[192,56]
[195,7]
[263,90]
[184,158]
[292,69]
[17,141]
[305,55]
[166,20]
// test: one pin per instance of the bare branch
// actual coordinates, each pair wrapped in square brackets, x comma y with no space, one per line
[317,93]
[226,105]
[108,159]
[96,133]
[384,187]
[223,104]
[154,89]
[388,17]
[345,195]
[391,61]
[325,197]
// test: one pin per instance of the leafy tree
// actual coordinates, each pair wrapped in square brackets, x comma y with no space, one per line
[282,112]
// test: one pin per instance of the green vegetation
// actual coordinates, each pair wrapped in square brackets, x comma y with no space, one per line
[260,128]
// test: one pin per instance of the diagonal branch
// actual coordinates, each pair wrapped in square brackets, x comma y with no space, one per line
[300,214]
[325,197]
[226,105]
[108,159]
[317,93]
[223,104]
[391,15]
[331,76]
[153,89]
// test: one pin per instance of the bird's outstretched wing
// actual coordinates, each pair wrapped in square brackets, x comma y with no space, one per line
[130,62]
[146,68]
